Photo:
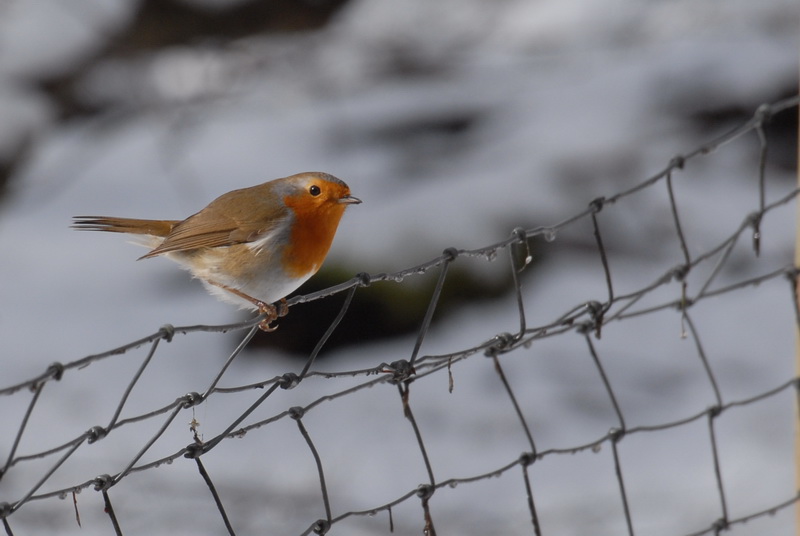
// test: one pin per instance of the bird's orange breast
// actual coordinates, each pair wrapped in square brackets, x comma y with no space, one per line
[312,233]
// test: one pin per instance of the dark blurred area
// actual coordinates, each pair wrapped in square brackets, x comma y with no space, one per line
[384,309]
[159,24]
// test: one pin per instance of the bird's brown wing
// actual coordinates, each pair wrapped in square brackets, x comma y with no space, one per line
[237,217]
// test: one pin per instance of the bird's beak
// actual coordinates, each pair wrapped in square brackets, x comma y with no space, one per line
[349,200]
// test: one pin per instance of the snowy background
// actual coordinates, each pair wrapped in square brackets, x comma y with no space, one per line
[454,122]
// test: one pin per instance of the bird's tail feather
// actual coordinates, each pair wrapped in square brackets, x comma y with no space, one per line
[123,225]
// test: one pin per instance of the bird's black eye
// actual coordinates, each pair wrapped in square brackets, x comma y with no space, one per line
[314,190]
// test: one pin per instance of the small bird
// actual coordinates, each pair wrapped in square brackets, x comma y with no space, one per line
[252,246]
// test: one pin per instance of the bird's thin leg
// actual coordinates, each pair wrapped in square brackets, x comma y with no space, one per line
[271,311]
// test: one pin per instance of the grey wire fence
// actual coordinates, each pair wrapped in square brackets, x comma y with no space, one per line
[29,476]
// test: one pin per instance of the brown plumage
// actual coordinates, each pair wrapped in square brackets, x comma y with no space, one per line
[257,244]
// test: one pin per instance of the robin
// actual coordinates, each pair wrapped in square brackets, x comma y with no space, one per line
[252,246]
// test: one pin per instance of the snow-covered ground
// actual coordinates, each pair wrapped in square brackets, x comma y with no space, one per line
[554,103]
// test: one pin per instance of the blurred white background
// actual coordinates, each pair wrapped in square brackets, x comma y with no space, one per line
[455,122]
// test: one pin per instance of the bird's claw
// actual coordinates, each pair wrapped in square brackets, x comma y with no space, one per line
[272,312]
